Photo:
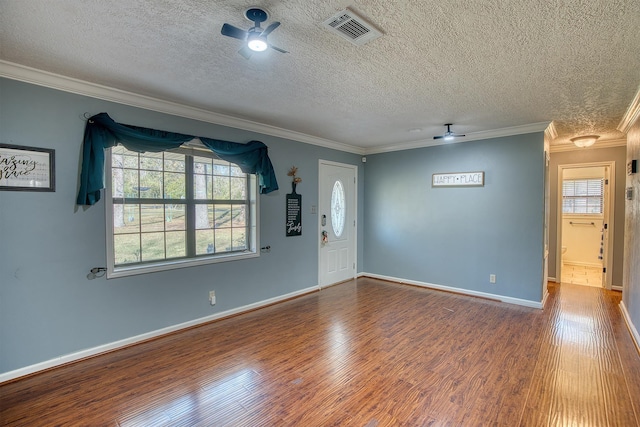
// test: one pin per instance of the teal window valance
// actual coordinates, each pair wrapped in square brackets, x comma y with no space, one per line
[102,132]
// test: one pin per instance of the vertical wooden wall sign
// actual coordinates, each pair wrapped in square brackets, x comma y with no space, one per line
[294,206]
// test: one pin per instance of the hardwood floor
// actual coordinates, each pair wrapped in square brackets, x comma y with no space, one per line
[363,353]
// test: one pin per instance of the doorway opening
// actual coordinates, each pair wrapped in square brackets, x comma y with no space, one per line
[585,224]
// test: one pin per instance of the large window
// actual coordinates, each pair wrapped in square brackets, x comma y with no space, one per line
[583,196]
[175,209]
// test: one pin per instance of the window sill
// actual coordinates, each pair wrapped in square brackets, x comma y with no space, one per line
[582,216]
[125,271]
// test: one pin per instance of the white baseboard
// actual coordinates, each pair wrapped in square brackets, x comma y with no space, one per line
[545,295]
[552,279]
[616,288]
[83,354]
[501,298]
[634,332]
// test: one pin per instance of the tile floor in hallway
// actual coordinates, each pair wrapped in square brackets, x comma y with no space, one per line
[581,275]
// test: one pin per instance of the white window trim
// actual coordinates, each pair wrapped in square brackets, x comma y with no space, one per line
[165,265]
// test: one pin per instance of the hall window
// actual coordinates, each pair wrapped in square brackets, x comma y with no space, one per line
[583,196]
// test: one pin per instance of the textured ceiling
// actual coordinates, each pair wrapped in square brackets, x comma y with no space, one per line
[482,65]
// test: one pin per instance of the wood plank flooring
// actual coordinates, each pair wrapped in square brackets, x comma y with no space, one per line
[363,353]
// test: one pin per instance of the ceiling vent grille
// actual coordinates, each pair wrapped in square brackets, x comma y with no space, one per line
[351,27]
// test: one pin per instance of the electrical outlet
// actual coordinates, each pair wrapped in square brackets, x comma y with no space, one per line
[492,278]
[212,297]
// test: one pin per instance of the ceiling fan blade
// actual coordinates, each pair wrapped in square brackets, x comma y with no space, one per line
[278,49]
[438,137]
[245,52]
[270,28]
[457,135]
[235,32]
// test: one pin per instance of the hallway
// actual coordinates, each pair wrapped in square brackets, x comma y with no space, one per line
[588,370]
[582,275]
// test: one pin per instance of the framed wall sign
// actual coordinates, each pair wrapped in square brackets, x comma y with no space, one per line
[462,179]
[26,168]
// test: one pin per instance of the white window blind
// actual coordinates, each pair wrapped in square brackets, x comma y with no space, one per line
[583,196]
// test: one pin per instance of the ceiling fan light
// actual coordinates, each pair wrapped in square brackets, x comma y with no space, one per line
[449,137]
[585,140]
[257,43]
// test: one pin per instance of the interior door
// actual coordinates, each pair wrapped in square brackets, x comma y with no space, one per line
[337,205]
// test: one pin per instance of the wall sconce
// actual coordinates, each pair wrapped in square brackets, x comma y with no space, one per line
[585,141]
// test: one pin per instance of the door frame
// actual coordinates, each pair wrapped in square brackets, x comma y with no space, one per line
[608,204]
[354,244]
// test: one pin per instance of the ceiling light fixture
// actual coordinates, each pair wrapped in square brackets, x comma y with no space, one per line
[585,140]
[256,42]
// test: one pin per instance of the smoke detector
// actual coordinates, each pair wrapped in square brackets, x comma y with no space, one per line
[348,25]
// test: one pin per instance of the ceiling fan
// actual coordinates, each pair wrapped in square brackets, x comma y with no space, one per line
[255,37]
[448,135]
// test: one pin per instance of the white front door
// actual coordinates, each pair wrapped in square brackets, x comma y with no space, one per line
[337,205]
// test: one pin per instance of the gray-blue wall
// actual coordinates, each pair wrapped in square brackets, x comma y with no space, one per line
[48,308]
[457,237]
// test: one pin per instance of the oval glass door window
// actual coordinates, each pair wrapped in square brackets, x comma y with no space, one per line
[337,208]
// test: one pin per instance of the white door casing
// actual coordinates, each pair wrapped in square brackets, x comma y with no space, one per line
[337,209]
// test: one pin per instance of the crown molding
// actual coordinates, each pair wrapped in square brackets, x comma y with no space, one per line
[80,87]
[551,131]
[599,144]
[474,136]
[632,115]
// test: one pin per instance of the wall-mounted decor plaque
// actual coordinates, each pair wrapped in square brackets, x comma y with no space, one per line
[26,168]
[461,179]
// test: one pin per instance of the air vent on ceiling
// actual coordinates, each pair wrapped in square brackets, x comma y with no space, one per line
[352,27]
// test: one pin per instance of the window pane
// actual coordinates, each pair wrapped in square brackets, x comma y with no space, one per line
[239,239]
[176,244]
[567,206]
[126,218]
[152,217]
[204,242]
[221,188]
[121,157]
[151,161]
[126,248]
[581,188]
[152,246]
[238,188]
[131,186]
[337,208]
[223,240]
[222,216]
[202,217]
[220,168]
[174,185]
[150,185]
[568,189]
[174,162]
[238,216]
[236,171]
[202,187]
[202,165]
[175,218]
